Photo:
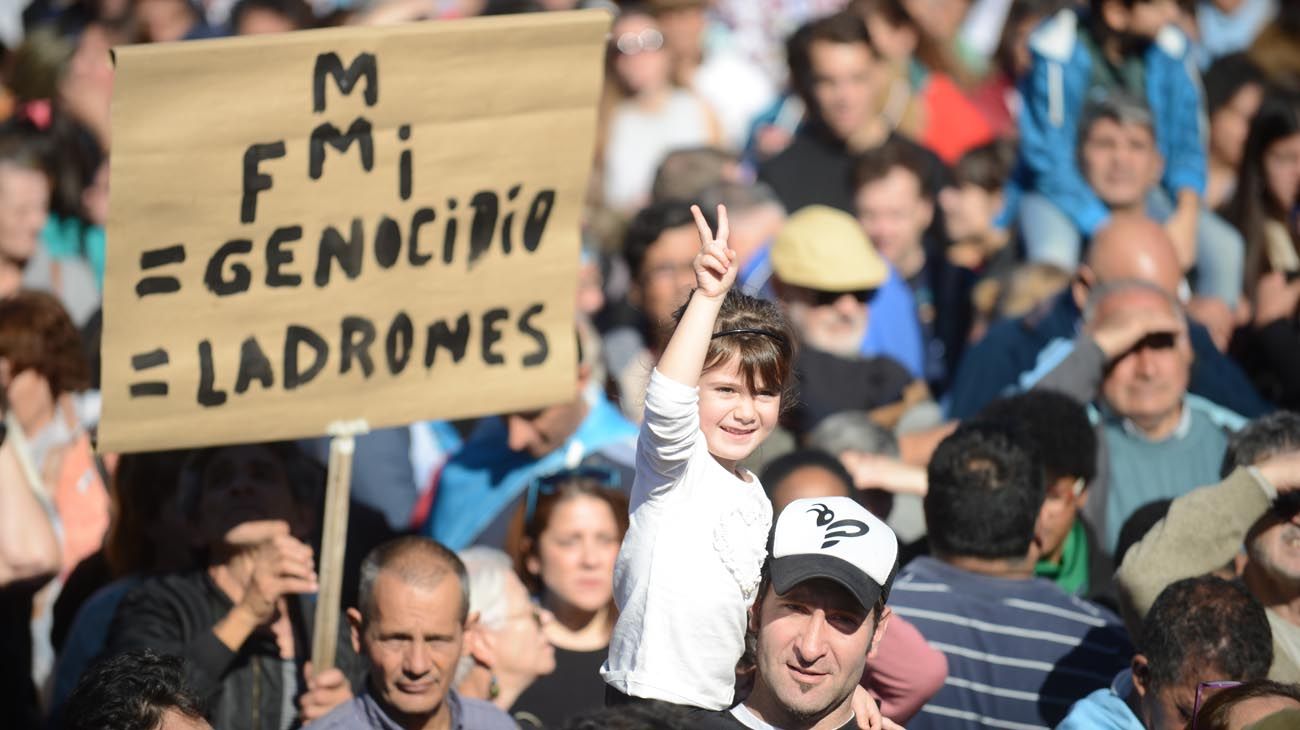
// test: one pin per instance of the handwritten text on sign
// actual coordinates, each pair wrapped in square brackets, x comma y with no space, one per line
[379,224]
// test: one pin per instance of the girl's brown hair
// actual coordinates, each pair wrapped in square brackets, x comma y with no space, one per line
[525,531]
[759,337]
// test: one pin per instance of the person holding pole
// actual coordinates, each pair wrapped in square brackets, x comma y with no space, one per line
[242,623]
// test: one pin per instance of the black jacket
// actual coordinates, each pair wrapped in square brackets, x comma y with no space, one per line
[246,689]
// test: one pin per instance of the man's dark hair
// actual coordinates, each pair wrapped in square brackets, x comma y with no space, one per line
[986,489]
[1096,5]
[1057,427]
[1226,77]
[296,11]
[1270,435]
[649,224]
[130,691]
[845,27]
[987,166]
[1138,525]
[415,560]
[1205,624]
[783,466]
[876,163]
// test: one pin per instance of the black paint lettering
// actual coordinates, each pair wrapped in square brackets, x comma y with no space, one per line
[397,345]
[508,225]
[538,213]
[538,356]
[328,134]
[492,334]
[254,180]
[294,336]
[404,164]
[208,396]
[485,207]
[347,252]
[253,365]
[455,341]
[388,242]
[329,64]
[277,256]
[418,219]
[449,237]
[240,276]
[358,336]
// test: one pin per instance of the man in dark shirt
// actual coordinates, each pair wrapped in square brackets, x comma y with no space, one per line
[897,211]
[833,68]
[820,610]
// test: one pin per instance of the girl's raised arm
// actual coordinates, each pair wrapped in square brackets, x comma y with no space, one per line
[715,273]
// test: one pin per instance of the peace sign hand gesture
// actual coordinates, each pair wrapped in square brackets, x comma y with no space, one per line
[715,265]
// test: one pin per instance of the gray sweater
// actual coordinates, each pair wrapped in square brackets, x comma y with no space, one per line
[1133,470]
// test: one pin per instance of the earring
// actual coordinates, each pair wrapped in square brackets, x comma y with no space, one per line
[494,687]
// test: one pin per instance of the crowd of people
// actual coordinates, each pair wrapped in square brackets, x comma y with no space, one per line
[939,367]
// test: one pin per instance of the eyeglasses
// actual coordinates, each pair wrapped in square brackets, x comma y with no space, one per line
[1202,694]
[550,483]
[630,44]
[827,298]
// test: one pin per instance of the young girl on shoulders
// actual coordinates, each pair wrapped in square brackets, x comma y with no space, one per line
[691,560]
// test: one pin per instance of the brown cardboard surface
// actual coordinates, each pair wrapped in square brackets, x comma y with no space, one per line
[486,111]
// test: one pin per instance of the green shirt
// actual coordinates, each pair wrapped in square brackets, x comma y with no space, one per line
[1071,574]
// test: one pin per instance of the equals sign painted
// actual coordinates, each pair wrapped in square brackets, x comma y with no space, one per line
[147,361]
[154,259]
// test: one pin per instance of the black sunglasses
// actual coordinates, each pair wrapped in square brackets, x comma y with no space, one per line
[826,298]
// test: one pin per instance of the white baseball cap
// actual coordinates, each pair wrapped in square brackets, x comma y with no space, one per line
[837,539]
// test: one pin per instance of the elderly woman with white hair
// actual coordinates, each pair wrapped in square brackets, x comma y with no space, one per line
[505,646]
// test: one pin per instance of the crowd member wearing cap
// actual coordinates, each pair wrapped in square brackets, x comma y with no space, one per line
[1020,650]
[1200,630]
[825,274]
[896,210]
[904,671]
[896,332]
[1131,363]
[1127,248]
[819,615]
[1257,504]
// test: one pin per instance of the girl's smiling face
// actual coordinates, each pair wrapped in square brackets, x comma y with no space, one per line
[735,418]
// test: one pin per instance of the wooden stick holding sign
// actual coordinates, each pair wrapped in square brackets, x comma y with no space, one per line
[324,640]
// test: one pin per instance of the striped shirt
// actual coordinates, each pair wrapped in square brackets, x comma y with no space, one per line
[1020,651]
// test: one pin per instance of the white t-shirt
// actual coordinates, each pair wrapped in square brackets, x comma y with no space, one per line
[639,140]
[690,563]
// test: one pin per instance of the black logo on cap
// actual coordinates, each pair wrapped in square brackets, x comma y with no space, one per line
[836,530]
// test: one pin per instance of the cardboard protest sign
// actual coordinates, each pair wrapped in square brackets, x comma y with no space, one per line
[357,223]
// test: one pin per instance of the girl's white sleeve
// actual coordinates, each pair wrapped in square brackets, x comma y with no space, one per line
[669,432]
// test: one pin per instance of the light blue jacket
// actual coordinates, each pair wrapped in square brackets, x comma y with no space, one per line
[1055,92]
[1105,709]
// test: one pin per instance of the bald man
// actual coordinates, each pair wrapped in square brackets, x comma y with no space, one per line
[1131,363]
[1128,248]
